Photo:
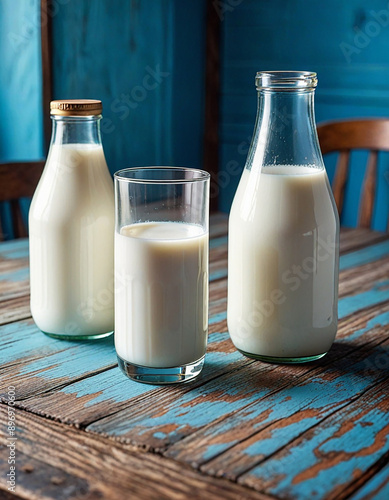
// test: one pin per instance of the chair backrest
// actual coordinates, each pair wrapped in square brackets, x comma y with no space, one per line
[343,136]
[18,180]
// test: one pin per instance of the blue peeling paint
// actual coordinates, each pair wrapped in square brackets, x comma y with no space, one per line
[279,435]
[159,435]
[380,320]
[354,303]
[377,487]
[217,275]
[215,449]
[302,457]
[217,317]
[364,256]
[15,276]
[216,242]
[112,386]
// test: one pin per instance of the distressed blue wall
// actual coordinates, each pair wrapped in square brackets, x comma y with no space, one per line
[346,43]
[105,48]
[143,58]
[21,126]
[145,61]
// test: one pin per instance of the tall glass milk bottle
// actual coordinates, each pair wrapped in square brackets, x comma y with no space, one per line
[283,231]
[71,227]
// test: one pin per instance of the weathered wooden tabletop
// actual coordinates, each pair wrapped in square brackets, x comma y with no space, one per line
[244,429]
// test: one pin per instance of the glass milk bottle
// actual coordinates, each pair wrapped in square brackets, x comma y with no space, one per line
[283,231]
[71,227]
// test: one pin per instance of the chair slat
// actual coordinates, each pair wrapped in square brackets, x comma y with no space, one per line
[368,193]
[17,220]
[18,180]
[340,179]
[343,136]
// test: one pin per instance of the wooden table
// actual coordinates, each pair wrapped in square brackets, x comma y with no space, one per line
[243,430]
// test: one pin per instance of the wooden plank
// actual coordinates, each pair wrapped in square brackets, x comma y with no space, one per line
[352,239]
[365,255]
[377,487]
[14,256]
[51,367]
[81,401]
[359,279]
[14,270]
[15,309]
[95,467]
[314,391]
[46,350]
[37,479]
[87,404]
[35,362]
[325,460]
[212,97]
[161,424]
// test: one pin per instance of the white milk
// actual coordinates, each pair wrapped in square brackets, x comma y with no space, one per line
[161,293]
[71,225]
[283,265]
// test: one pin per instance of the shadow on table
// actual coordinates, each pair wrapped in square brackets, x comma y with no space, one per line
[343,360]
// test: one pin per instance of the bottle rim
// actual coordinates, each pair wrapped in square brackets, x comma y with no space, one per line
[285,80]
[161,174]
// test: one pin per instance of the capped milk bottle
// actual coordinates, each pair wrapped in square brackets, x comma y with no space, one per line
[283,248]
[71,227]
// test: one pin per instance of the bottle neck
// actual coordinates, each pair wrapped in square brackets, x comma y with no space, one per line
[285,130]
[75,130]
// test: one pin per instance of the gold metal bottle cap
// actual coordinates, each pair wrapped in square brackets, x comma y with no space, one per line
[76,107]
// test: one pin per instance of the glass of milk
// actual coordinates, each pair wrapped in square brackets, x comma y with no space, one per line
[161,272]
[283,231]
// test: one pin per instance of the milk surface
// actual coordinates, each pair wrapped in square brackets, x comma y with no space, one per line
[71,226]
[283,264]
[161,293]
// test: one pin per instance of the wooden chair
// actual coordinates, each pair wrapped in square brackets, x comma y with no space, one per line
[343,136]
[18,180]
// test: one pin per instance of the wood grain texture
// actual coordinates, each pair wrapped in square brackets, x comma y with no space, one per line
[232,422]
[345,136]
[339,135]
[65,463]
[376,487]
[369,191]
[325,459]
[340,179]
[313,392]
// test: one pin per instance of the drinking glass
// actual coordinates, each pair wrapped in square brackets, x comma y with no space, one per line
[161,272]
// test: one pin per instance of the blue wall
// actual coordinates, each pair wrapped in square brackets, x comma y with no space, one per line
[345,42]
[21,129]
[106,48]
[145,61]
[143,58]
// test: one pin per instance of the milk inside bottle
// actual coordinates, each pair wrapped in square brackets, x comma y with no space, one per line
[71,227]
[283,232]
